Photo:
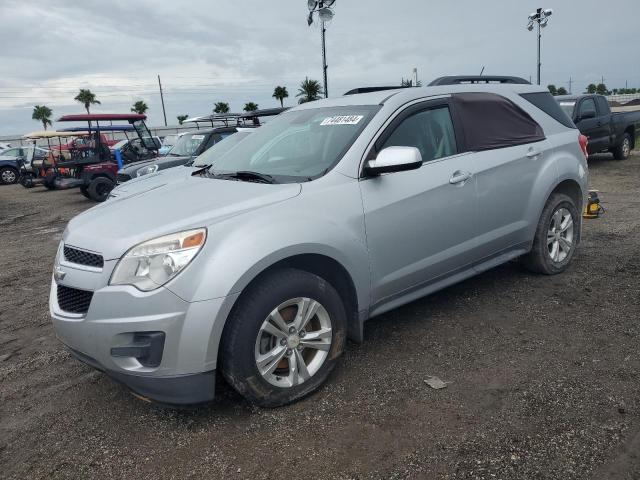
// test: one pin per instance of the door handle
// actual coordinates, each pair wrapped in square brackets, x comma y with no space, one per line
[459,177]
[533,153]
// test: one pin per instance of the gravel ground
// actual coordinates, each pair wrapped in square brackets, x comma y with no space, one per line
[544,374]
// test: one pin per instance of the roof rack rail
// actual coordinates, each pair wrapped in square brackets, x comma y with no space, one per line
[460,79]
[236,119]
[355,91]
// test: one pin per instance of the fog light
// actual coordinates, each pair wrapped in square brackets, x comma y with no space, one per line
[146,348]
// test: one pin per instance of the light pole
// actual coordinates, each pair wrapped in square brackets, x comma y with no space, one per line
[541,17]
[325,13]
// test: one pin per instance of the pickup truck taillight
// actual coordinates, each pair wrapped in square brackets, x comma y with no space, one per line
[583,146]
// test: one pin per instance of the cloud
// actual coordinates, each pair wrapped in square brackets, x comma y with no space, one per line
[238,51]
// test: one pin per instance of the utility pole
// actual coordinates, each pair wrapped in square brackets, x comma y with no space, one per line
[539,42]
[541,17]
[162,100]
[570,83]
[325,14]
[324,56]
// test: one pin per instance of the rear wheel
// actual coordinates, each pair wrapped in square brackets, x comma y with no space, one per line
[8,175]
[557,236]
[283,338]
[99,188]
[622,151]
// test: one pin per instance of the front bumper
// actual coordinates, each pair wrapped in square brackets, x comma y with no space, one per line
[117,315]
[171,390]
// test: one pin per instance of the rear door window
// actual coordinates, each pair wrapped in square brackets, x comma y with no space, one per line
[430,131]
[603,105]
[491,121]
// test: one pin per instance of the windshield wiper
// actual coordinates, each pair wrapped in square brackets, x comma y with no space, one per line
[247,175]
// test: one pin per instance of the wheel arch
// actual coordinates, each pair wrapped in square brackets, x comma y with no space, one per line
[327,268]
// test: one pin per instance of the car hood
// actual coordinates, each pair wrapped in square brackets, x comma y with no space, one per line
[132,168]
[115,226]
[147,182]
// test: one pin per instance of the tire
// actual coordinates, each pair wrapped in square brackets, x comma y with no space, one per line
[99,188]
[8,176]
[85,192]
[622,151]
[244,340]
[49,180]
[550,256]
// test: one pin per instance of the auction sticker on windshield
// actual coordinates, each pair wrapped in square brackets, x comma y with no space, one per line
[197,137]
[342,120]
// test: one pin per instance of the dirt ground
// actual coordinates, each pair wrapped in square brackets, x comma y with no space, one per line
[544,371]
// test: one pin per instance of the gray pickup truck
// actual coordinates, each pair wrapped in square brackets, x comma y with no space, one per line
[606,131]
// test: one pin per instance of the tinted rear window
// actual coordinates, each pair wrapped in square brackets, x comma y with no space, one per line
[492,121]
[545,102]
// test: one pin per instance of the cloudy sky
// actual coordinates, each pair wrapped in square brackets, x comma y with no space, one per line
[238,51]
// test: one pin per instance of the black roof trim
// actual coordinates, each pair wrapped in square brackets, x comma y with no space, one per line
[355,91]
[460,79]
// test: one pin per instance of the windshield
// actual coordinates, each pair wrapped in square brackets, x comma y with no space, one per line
[119,145]
[298,145]
[568,108]
[219,149]
[169,140]
[187,145]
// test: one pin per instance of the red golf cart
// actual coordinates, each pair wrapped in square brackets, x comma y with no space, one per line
[94,170]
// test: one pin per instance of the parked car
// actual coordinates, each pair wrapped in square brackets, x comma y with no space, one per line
[334,212]
[168,175]
[188,147]
[10,160]
[606,131]
[168,142]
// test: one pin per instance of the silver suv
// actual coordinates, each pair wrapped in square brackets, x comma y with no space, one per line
[262,265]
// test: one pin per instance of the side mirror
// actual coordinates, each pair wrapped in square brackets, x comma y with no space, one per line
[394,159]
[587,114]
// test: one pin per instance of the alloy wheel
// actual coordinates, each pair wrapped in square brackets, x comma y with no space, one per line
[560,239]
[626,147]
[293,342]
[8,176]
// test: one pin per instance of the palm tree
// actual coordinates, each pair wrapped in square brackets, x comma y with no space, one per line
[42,114]
[182,118]
[409,83]
[280,93]
[86,98]
[140,107]
[309,91]
[250,107]
[221,107]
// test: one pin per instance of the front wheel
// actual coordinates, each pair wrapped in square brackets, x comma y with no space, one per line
[283,338]
[8,176]
[557,236]
[622,151]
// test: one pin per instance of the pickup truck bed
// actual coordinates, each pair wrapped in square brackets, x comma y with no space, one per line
[607,132]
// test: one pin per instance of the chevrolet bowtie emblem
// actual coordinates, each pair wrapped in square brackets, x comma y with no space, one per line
[58,273]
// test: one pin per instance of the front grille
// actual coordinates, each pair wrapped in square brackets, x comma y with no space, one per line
[123,177]
[73,300]
[81,257]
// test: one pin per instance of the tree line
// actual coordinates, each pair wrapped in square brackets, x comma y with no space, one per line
[600,89]
[309,91]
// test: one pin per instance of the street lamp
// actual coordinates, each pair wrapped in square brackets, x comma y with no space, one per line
[541,17]
[325,13]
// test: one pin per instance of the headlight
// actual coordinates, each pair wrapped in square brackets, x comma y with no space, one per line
[147,170]
[153,263]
